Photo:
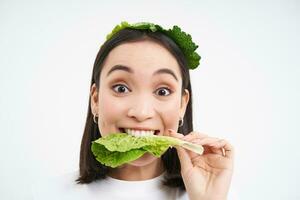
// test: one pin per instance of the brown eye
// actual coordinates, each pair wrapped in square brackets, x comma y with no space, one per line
[163,92]
[120,88]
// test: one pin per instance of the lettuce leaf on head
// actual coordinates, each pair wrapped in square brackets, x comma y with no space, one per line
[117,149]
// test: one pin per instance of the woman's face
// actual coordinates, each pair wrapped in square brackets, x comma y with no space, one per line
[140,89]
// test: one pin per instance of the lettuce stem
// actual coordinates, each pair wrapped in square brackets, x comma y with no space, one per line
[187,145]
[193,147]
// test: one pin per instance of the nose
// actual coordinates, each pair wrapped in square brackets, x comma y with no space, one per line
[141,109]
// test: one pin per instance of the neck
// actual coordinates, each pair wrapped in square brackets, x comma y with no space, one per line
[138,173]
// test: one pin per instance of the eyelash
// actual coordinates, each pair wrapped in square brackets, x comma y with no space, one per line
[122,85]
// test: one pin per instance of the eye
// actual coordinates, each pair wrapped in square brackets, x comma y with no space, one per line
[120,88]
[163,91]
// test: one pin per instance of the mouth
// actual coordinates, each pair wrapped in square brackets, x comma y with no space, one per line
[138,132]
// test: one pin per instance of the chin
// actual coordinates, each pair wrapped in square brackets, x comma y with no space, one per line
[146,159]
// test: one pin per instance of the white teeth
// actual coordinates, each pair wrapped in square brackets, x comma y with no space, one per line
[138,133]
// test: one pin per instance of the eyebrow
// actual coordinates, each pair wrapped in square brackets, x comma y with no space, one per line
[129,70]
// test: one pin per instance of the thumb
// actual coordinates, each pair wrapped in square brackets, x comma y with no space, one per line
[185,160]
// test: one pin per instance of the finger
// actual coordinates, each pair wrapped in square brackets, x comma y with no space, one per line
[209,148]
[185,160]
[218,151]
[225,146]
[173,133]
[229,150]
[219,144]
[203,141]
[211,145]
[195,135]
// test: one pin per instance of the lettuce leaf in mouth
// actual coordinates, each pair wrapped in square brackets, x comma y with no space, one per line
[117,149]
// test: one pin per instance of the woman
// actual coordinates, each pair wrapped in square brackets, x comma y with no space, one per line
[141,82]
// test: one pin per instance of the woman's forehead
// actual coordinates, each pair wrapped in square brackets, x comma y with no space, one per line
[145,55]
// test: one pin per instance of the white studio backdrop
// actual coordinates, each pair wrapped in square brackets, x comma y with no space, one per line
[246,89]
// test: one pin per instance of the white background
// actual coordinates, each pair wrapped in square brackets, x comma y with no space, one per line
[246,89]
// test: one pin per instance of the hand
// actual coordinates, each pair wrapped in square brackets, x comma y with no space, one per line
[206,176]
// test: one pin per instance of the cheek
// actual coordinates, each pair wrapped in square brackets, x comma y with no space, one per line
[108,107]
[169,113]
[111,112]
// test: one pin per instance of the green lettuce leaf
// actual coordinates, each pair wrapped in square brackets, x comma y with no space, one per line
[119,148]
[115,158]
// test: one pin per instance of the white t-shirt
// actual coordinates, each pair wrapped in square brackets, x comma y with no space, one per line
[65,188]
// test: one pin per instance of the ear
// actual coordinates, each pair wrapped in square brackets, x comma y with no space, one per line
[184,102]
[94,99]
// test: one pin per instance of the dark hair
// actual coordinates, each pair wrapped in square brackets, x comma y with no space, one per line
[90,168]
